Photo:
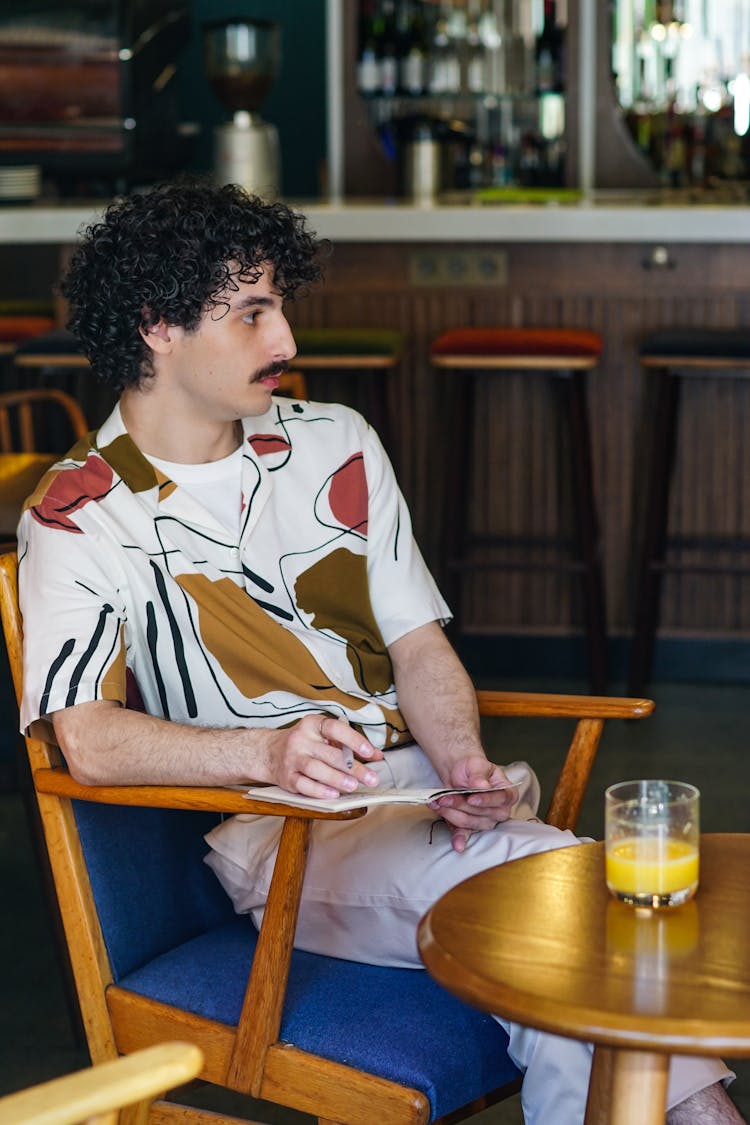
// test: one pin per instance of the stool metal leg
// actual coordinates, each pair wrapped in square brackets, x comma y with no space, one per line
[378,409]
[653,547]
[458,449]
[587,530]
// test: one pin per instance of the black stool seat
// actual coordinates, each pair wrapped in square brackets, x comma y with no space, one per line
[56,360]
[703,346]
[669,356]
[564,356]
[57,348]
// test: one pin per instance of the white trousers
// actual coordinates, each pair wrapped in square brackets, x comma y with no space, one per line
[368,883]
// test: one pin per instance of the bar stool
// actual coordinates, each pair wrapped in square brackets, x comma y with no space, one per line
[563,356]
[369,352]
[669,357]
[22,320]
[56,360]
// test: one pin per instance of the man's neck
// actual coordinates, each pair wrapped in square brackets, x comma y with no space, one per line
[186,441]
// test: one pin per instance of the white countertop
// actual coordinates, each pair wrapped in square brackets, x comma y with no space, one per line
[402,222]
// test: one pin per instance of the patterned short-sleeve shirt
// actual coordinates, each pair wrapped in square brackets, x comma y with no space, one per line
[131,589]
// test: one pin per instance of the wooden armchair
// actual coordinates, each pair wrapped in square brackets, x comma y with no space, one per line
[94,1096]
[21,410]
[35,427]
[158,953]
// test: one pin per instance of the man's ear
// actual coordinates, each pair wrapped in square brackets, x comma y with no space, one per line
[159,336]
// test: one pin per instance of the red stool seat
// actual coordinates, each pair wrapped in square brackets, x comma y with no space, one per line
[564,354]
[493,345]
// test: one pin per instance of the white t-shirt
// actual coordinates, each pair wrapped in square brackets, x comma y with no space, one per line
[216,485]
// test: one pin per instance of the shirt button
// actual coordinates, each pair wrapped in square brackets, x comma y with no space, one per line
[394,736]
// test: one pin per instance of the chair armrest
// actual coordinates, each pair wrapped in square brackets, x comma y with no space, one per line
[213,799]
[543,705]
[132,1080]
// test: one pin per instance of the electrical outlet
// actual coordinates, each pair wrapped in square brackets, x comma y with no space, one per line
[450,268]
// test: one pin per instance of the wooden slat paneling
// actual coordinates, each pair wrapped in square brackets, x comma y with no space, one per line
[517,479]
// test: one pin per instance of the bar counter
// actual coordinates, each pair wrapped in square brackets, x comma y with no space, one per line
[623,266]
[607,218]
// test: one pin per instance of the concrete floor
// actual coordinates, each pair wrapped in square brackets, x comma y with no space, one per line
[699,733]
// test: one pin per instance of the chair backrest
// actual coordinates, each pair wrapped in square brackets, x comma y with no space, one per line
[163,880]
[27,414]
[162,894]
[92,1096]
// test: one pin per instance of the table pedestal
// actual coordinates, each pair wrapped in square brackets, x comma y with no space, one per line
[627,1086]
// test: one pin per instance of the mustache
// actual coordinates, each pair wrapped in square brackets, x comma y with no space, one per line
[271,369]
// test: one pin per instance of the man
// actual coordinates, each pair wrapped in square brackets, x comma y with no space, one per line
[232,594]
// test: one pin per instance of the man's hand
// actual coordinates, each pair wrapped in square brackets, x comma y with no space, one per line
[477,812]
[317,757]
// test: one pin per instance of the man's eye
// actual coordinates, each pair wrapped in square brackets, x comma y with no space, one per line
[249,318]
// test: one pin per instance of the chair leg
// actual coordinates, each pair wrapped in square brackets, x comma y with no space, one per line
[653,546]
[587,531]
[457,448]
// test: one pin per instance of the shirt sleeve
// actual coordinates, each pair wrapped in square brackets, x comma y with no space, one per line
[403,593]
[73,621]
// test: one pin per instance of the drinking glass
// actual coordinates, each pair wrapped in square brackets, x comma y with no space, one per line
[651,833]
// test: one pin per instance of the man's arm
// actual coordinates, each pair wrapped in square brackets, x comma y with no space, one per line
[439,704]
[104,743]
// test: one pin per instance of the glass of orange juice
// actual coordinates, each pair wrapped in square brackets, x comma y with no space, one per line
[651,831]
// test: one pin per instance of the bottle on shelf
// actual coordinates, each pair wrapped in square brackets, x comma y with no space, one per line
[388,49]
[549,53]
[412,49]
[368,74]
[444,68]
[475,71]
[488,77]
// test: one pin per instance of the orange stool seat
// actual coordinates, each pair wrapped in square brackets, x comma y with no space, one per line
[563,355]
[21,320]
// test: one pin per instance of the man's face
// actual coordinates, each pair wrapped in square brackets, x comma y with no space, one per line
[228,367]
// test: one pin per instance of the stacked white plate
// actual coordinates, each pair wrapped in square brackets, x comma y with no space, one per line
[20,182]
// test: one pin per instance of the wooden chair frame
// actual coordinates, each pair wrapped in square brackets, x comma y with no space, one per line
[94,1096]
[250,1058]
[24,403]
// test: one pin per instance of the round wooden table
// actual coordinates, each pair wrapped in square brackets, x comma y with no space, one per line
[540,941]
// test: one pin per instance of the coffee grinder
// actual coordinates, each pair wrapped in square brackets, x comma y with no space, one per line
[242,62]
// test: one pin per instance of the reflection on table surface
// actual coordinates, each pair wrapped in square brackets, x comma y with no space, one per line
[542,941]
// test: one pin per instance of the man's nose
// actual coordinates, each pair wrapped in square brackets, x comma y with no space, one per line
[285,346]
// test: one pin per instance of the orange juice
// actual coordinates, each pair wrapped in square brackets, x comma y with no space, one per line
[650,866]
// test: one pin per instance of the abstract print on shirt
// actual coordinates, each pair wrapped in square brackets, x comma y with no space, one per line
[148,595]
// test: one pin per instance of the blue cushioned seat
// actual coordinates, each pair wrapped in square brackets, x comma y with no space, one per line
[171,935]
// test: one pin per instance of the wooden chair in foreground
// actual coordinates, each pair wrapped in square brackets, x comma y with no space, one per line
[93,1096]
[158,953]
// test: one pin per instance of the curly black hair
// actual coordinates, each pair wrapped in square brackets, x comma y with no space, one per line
[168,254]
